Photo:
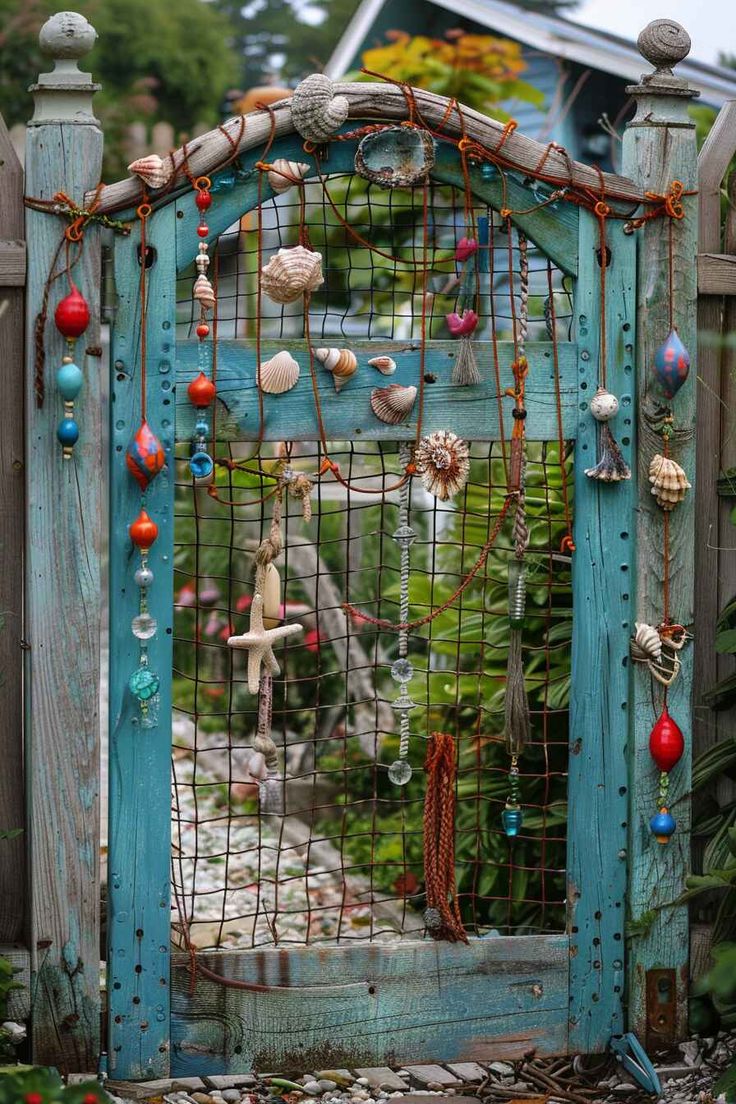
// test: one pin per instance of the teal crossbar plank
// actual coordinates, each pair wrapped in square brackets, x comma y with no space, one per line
[140,760]
[472,412]
[603,614]
[372,1004]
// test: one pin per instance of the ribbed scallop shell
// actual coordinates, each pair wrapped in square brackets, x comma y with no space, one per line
[316,111]
[279,374]
[290,273]
[204,292]
[443,461]
[154,171]
[646,641]
[669,482]
[385,364]
[284,174]
[393,404]
[341,362]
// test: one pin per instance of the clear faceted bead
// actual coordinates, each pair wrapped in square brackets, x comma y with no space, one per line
[143,626]
[402,670]
[149,712]
[399,772]
[144,576]
[405,536]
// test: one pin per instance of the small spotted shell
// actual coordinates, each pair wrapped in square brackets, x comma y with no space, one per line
[153,170]
[647,641]
[279,374]
[284,174]
[393,404]
[341,362]
[385,364]
[316,111]
[603,405]
[203,292]
[669,482]
[291,273]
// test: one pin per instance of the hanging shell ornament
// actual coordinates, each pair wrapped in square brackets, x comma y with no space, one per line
[279,374]
[316,111]
[284,174]
[396,156]
[671,364]
[603,405]
[393,404]
[611,468]
[204,292]
[669,482]
[291,273]
[153,170]
[443,461]
[646,642]
[341,362]
[386,365]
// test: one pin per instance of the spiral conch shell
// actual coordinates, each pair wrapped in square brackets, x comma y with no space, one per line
[284,174]
[203,292]
[316,111]
[443,460]
[291,273]
[153,170]
[646,642]
[279,374]
[341,362]
[669,482]
[393,404]
[386,365]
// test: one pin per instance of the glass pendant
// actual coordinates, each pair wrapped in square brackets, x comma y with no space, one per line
[399,772]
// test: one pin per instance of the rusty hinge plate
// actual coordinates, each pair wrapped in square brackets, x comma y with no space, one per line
[661,1008]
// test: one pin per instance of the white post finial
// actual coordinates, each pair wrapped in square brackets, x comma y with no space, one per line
[65,94]
[664,43]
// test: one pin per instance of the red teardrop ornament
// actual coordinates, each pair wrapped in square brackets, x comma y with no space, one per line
[143,531]
[666,742]
[201,391]
[72,314]
[145,456]
[203,199]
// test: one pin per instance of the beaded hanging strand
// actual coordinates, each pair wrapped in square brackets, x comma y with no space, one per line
[402,671]
[71,318]
[202,389]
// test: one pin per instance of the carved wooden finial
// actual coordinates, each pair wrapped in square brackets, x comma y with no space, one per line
[66,92]
[66,37]
[663,42]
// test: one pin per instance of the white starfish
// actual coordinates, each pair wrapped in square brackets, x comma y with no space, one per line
[259,643]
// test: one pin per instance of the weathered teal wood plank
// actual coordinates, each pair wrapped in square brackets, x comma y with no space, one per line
[140,771]
[472,412]
[554,228]
[63,604]
[659,147]
[373,1005]
[603,614]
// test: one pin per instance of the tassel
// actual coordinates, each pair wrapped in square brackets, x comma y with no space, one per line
[442,914]
[465,372]
[516,727]
[611,468]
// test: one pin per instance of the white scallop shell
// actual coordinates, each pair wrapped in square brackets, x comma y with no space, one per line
[284,174]
[669,482]
[291,273]
[648,640]
[279,374]
[203,292]
[341,362]
[152,170]
[385,364]
[393,404]
[316,111]
[603,405]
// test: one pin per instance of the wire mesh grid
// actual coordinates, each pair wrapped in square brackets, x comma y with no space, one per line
[344,859]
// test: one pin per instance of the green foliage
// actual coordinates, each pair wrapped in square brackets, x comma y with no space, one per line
[44,1086]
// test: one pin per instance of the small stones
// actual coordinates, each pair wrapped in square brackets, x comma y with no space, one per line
[312,1088]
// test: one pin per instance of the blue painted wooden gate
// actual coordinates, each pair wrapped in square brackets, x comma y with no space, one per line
[371,1003]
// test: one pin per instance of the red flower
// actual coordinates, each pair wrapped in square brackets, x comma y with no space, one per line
[313,639]
[244,603]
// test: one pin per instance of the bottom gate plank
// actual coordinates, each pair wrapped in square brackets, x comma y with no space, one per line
[343,1006]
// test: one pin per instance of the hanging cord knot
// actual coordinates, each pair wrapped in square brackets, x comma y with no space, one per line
[300,487]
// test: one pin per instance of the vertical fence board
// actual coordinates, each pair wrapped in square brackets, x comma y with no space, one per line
[12,527]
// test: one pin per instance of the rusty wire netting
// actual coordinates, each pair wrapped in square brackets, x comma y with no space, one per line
[344,859]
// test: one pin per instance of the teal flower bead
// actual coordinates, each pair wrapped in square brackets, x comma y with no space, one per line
[144,683]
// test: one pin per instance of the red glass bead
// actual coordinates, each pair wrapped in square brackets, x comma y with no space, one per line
[201,391]
[145,456]
[143,531]
[72,314]
[666,742]
[202,330]
[203,199]
[203,229]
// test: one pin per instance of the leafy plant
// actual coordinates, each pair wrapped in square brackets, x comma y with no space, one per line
[37,1085]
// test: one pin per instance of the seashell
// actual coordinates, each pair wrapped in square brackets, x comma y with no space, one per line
[669,482]
[316,111]
[152,170]
[603,405]
[671,364]
[341,362]
[279,374]
[385,364]
[285,174]
[646,641]
[611,468]
[393,404]
[291,273]
[443,461]
[396,156]
[204,292]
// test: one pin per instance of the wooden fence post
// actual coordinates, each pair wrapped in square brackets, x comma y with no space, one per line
[660,147]
[65,523]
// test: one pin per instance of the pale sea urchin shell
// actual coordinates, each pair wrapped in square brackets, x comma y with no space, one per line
[393,404]
[279,374]
[153,170]
[284,174]
[443,462]
[316,111]
[669,482]
[291,273]
[385,364]
[341,362]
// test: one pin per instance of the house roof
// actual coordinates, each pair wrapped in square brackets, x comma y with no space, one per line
[551,34]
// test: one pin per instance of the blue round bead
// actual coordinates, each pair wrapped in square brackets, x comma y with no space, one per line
[144,683]
[201,428]
[69,380]
[512,819]
[200,464]
[662,825]
[68,432]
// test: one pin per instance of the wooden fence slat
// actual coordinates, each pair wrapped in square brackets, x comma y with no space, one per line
[716,274]
[12,497]
[12,253]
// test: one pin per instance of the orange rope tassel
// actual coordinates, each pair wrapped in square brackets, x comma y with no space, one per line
[443,912]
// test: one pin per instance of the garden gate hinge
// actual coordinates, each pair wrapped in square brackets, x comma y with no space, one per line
[661,1008]
[632,1056]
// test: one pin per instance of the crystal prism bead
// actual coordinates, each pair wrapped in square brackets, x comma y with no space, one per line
[143,577]
[399,772]
[401,670]
[405,536]
[149,712]
[143,626]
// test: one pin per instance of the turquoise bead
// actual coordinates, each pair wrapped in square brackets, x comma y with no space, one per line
[512,819]
[68,432]
[200,464]
[69,380]
[144,683]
